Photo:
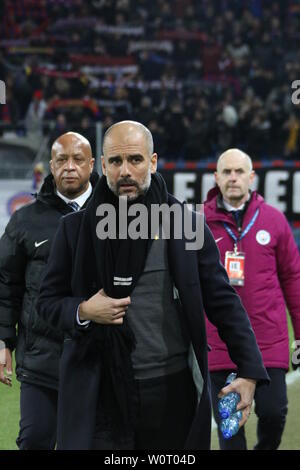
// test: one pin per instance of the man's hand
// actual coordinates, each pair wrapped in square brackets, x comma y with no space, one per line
[296,354]
[246,389]
[103,309]
[6,366]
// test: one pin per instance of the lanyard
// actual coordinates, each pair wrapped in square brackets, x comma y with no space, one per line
[249,226]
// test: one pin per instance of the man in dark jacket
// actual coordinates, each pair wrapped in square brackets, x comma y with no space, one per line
[132,307]
[24,250]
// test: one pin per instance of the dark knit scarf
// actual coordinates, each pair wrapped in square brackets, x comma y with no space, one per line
[112,345]
[122,258]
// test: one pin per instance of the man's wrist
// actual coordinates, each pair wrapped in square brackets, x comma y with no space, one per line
[6,344]
[82,312]
[80,321]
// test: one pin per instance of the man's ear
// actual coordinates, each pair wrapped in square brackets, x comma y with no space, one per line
[92,162]
[51,166]
[154,162]
[216,177]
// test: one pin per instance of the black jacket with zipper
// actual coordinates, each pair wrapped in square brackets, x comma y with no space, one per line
[24,250]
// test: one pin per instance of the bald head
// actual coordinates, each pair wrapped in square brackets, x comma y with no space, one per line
[128,159]
[124,130]
[77,140]
[237,155]
[71,164]
[234,176]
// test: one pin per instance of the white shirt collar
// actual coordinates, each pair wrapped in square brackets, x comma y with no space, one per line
[80,199]
[230,208]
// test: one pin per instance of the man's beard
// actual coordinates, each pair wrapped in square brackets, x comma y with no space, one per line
[73,192]
[141,188]
[236,197]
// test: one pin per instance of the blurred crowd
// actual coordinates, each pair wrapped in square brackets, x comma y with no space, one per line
[203,75]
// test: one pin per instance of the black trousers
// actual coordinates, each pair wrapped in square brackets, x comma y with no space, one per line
[166,410]
[270,408]
[38,406]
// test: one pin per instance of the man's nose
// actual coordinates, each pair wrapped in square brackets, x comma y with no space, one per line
[70,164]
[125,171]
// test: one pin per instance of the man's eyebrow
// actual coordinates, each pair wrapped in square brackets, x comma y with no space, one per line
[66,155]
[235,169]
[114,157]
[134,155]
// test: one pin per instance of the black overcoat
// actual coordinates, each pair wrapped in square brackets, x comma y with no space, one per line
[202,284]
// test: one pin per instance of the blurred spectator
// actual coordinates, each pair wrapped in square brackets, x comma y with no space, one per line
[277,118]
[259,134]
[34,118]
[87,129]
[197,142]
[107,122]
[60,127]
[238,51]
[176,123]
[145,112]
[135,59]
[159,137]
[292,128]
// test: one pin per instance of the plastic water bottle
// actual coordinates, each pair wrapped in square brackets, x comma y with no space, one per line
[230,426]
[227,404]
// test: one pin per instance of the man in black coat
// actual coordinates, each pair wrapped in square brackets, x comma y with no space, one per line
[132,311]
[24,250]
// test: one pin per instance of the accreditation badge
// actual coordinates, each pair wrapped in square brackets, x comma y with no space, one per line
[235,267]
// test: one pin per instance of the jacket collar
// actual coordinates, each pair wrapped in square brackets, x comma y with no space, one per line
[215,210]
[47,193]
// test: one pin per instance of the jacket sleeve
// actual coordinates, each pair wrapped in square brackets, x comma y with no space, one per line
[225,310]
[288,268]
[56,303]
[13,260]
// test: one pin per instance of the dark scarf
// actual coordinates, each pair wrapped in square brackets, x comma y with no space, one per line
[112,345]
[122,258]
